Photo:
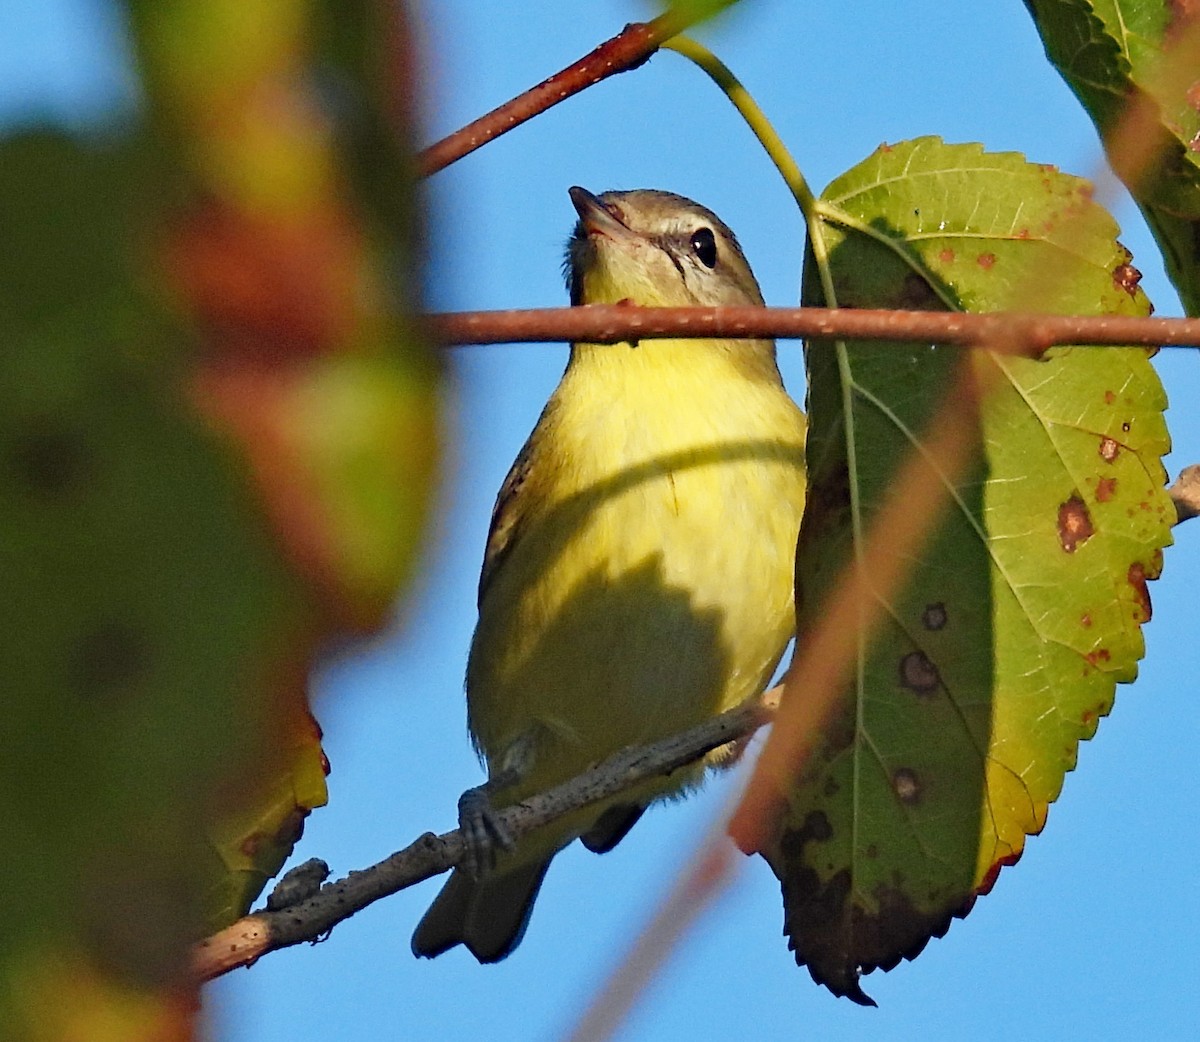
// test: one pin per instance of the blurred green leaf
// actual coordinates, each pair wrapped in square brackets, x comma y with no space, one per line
[146,609]
[1024,608]
[296,248]
[219,433]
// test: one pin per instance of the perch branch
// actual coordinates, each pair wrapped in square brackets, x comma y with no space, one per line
[251,937]
[613,323]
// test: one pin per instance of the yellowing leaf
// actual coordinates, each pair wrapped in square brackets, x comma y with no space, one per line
[1024,607]
[218,435]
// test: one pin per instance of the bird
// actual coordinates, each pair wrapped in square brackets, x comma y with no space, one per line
[638,571]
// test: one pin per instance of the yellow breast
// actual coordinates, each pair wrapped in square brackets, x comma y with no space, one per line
[650,583]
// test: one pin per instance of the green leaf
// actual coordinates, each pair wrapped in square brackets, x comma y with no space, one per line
[295,249]
[218,439]
[147,613]
[1116,53]
[1024,607]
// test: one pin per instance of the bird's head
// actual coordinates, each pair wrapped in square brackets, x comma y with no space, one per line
[654,248]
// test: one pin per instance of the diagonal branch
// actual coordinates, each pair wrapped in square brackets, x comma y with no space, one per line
[251,937]
[630,48]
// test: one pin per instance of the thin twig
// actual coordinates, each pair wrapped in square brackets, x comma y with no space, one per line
[1185,493]
[631,47]
[253,936]
[613,323]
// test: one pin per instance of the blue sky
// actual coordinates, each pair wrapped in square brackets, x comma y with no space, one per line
[1092,935]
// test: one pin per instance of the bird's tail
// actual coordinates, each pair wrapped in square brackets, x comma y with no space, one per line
[488,915]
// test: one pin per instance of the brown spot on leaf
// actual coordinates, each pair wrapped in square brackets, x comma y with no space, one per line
[1127,277]
[839,940]
[291,828]
[1089,721]
[269,288]
[110,656]
[986,261]
[934,617]
[1106,488]
[1137,579]
[918,674]
[816,827]
[311,726]
[48,460]
[828,506]
[841,731]
[1099,655]
[1074,524]
[1109,397]
[812,912]
[946,256]
[1086,620]
[916,294]
[1181,14]
[1125,426]
[993,872]
[1109,449]
[906,785]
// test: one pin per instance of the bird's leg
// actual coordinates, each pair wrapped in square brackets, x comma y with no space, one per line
[480,824]
[481,827]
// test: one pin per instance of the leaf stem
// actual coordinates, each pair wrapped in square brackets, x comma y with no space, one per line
[632,46]
[772,144]
[750,111]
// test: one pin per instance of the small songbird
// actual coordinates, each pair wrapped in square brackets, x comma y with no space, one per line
[638,572]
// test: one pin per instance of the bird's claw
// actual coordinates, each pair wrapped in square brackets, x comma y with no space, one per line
[482,831]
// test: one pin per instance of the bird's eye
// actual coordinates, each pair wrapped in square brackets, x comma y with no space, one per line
[704,245]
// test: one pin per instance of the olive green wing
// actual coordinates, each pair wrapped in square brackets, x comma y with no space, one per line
[507,515]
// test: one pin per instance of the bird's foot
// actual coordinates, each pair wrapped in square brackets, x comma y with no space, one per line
[482,831]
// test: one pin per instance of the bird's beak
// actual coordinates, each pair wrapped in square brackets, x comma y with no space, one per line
[596,217]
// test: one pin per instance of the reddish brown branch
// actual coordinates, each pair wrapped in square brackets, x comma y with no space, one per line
[632,46]
[614,323]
